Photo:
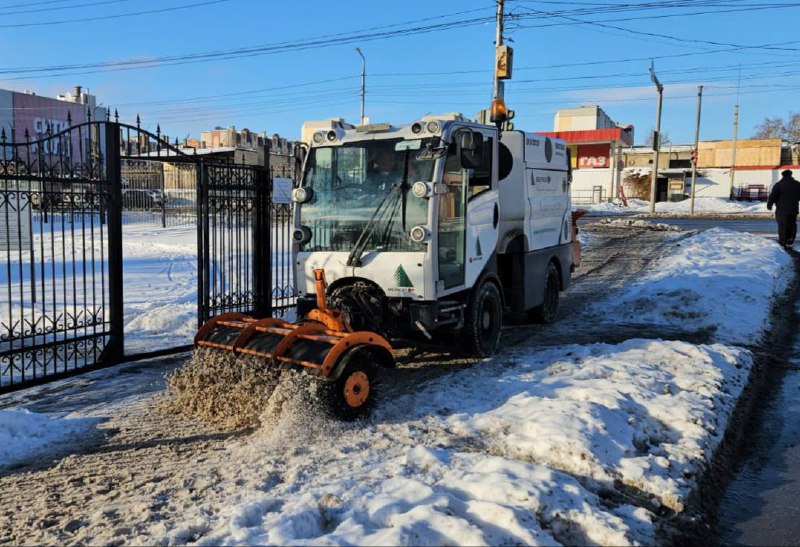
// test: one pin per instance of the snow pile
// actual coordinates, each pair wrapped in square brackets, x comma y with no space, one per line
[575,445]
[701,206]
[638,223]
[646,415]
[24,434]
[718,279]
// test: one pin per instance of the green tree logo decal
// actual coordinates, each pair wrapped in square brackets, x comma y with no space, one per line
[401,278]
[478,251]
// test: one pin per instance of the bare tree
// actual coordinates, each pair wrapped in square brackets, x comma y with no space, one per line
[793,128]
[776,128]
[770,128]
[663,138]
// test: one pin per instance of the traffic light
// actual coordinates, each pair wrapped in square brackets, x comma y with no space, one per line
[508,126]
[694,156]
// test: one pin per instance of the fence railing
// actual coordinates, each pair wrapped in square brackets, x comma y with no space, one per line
[75,212]
[597,194]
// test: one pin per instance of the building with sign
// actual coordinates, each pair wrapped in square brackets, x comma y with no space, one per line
[758,166]
[595,142]
[605,162]
[25,113]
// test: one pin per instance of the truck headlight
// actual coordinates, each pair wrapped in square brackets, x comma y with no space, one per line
[302,195]
[420,234]
[421,189]
[302,235]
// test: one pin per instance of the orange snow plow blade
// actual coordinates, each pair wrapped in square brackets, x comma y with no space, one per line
[311,344]
[322,344]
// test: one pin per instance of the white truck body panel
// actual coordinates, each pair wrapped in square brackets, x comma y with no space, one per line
[400,275]
[535,196]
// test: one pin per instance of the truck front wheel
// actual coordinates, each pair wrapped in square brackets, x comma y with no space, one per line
[484,320]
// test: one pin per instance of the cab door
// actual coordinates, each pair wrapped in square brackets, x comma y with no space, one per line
[468,209]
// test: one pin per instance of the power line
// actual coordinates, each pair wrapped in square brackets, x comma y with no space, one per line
[116,16]
[28,4]
[312,43]
[674,38]
[58,8]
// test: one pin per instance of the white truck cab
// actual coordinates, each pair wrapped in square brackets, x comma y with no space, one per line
[434,226]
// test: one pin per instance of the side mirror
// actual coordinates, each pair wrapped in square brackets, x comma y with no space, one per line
[470,148]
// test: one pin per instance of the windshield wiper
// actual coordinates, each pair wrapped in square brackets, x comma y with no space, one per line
[354,259]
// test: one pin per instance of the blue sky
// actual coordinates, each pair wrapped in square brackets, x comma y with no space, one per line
[304,66]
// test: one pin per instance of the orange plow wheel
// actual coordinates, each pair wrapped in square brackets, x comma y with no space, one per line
[353,394]
[356,389]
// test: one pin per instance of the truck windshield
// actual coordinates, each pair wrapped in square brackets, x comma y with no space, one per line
[365,188]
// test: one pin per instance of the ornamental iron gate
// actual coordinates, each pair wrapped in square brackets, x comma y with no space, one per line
[235,241]
[64,201]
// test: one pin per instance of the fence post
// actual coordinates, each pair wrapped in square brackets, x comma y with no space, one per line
[202,243]
[163,197]
[262,239]
[115,348]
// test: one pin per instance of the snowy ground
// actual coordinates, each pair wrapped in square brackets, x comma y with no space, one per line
[701,206]
[570,444]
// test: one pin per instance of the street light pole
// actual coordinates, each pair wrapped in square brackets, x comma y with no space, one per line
[696,153]
[733,148]
[656,138]
[363,82]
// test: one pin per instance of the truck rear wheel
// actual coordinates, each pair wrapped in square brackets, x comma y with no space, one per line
[547,311]
[484,320]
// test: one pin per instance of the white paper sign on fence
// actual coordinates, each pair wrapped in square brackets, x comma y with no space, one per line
[15,223]
[281,190]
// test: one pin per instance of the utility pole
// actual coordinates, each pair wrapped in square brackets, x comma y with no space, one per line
[696,151]
[363,82]
[656,138]
[503,62]
[499,86]
[733,151]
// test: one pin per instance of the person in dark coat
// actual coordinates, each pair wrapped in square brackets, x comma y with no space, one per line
[785,196]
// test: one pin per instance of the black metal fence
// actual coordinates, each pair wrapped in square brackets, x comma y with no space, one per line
[67,201]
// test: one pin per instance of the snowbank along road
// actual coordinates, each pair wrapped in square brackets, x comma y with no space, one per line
[592,430]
